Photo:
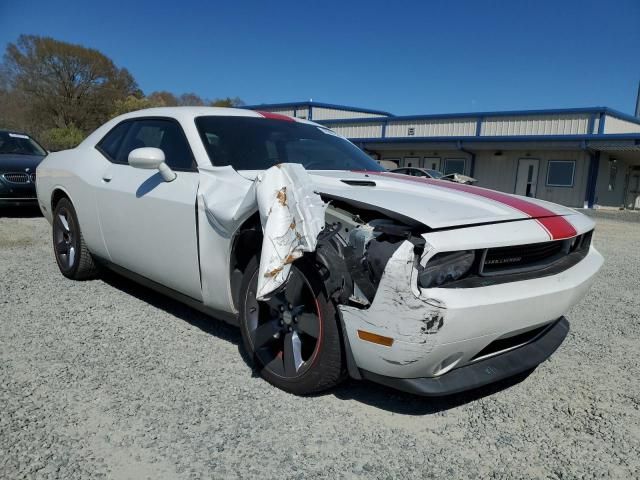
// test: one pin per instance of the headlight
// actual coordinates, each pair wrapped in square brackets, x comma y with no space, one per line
[445,267]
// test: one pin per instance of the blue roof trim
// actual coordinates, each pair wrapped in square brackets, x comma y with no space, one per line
[474,115]
[503,139]
[622,116]
[441,116]
[316,104]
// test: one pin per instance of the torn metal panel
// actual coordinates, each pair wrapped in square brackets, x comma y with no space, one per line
[224,201]
[399,312]
[292,217]
[291,213]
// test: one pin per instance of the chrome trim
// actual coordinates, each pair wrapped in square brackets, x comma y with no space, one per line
[17,178]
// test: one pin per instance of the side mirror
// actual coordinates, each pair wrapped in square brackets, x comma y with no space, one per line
[149,158]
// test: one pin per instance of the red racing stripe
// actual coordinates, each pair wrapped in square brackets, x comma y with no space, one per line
[275,116]
[556,226]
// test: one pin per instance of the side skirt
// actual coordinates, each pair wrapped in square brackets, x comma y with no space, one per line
[169,292]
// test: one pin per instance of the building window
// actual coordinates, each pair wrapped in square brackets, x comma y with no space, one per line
[454,165]
[560,173]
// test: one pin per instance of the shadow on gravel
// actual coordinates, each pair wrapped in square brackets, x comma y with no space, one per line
[27,211]
[366,392]
[198,319]
[395,401]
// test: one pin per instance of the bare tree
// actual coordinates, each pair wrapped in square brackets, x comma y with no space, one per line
[64,84]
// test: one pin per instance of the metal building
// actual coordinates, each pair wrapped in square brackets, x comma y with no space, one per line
[580,157]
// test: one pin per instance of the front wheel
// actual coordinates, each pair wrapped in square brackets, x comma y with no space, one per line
[293,338]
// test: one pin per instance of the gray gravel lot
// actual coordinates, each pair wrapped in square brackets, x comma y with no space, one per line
[105,379]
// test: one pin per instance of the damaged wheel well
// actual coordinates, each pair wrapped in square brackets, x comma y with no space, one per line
[246,244]
[351,253]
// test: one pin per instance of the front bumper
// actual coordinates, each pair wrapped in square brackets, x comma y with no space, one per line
[17,193]
[438,331]
[483,372]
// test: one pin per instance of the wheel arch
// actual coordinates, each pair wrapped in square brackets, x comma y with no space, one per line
[245,244]
[58,193]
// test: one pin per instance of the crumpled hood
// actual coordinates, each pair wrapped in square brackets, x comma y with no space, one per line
[434,203]
[19,163]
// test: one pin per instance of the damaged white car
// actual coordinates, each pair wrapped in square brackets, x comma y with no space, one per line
[330,265]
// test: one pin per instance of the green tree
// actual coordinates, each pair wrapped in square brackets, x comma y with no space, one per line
[190,100]
[133,103]
[62,138]
[227,102]
[65,85]
[163,98]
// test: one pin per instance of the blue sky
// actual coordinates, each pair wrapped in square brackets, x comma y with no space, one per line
[404,57]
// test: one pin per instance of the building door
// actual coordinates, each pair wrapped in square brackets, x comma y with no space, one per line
[632,188]
[431,163]
[527,177]
[411,162]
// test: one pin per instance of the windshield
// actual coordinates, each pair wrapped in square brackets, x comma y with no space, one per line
[19,144]
[434,173]
[250,143]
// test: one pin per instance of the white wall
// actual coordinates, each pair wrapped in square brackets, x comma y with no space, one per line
[359,130]
[322,113]
[570,124]
[617,125]
[459,127]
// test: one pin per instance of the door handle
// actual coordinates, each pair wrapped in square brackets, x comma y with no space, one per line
[106,177]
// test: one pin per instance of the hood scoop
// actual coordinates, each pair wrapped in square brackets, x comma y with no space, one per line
[359,183]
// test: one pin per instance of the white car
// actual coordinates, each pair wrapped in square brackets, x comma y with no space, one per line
[330,265]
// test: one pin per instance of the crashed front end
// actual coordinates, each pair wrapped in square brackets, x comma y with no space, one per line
[426,308]
[436,312]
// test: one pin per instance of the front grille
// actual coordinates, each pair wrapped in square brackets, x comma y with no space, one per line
[503,344]
[498,260]
[498,265]
[17,177]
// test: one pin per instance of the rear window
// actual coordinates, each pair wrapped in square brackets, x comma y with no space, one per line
[19,144]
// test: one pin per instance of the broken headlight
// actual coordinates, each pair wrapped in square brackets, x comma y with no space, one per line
[445,267]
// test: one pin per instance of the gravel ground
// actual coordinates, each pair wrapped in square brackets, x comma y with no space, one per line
[105,379]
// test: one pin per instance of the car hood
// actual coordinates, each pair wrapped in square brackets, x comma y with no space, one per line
[10,162]
[434,203]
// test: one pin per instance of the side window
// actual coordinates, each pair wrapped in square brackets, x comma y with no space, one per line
[110,144]
[166,135]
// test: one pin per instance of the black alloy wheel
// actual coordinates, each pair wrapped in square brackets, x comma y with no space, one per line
[293,336]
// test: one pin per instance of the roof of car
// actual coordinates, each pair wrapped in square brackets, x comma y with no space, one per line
[193,112]
[17,132]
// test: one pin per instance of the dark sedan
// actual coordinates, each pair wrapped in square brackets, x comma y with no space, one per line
[19,157]
[428,173]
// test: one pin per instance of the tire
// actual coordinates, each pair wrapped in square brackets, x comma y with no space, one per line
[288,349]
[72,255]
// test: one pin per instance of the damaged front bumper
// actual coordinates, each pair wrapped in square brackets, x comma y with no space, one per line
[485,371]
[440,334]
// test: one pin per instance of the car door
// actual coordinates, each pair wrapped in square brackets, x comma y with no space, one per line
[148,224]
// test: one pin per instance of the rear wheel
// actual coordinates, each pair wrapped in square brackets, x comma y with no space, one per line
[72,255]
[293,337]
